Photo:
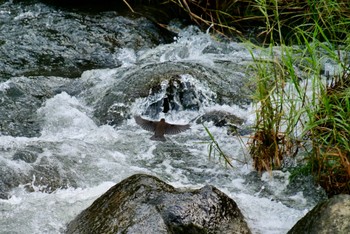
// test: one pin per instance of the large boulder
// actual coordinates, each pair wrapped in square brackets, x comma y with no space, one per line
[330,216]
[164,87]
[37,174]
[37,39]
[145,204]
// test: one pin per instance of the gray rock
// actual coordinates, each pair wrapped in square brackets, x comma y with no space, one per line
[47,177]
[18,111]
[220,118]
[39,176]
[330,216]
[25,156]
[20,99]
[28,155]
[276,188]
[37,39]
[9,179]
[145,204]
[161,84]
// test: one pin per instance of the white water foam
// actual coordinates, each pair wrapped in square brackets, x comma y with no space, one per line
[105,156]
[97,157]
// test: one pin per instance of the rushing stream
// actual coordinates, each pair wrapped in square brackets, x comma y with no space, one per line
[65,141]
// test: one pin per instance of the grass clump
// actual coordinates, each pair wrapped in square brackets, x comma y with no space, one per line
[329,130]
[250,17]
[265,145]
[309,111]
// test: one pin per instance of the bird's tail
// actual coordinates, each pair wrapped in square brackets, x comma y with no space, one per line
[158,138]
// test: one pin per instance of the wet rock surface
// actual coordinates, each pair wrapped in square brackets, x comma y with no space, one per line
[234,124]
[54,42]
[43,175]
[28,155]
[20,99]
[329,216]
[9,179]
[288,190]
[168,86]
[220,118]
[145,204]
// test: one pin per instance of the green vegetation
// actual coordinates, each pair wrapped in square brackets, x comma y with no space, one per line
[215,149]
[299,106]
[307,113]
[254,18]
[310,111]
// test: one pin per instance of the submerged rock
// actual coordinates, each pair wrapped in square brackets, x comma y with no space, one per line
[330,216]
[29,155]
[21,98]
[220,118]
[36,173]
[145,204]
[10,178]
[164,87]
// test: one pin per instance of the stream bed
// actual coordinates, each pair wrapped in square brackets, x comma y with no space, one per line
[70,86]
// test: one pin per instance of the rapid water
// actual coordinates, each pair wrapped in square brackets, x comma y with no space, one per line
[98,156]
[102,156]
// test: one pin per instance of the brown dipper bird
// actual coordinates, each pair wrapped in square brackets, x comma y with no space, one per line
[160,128]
